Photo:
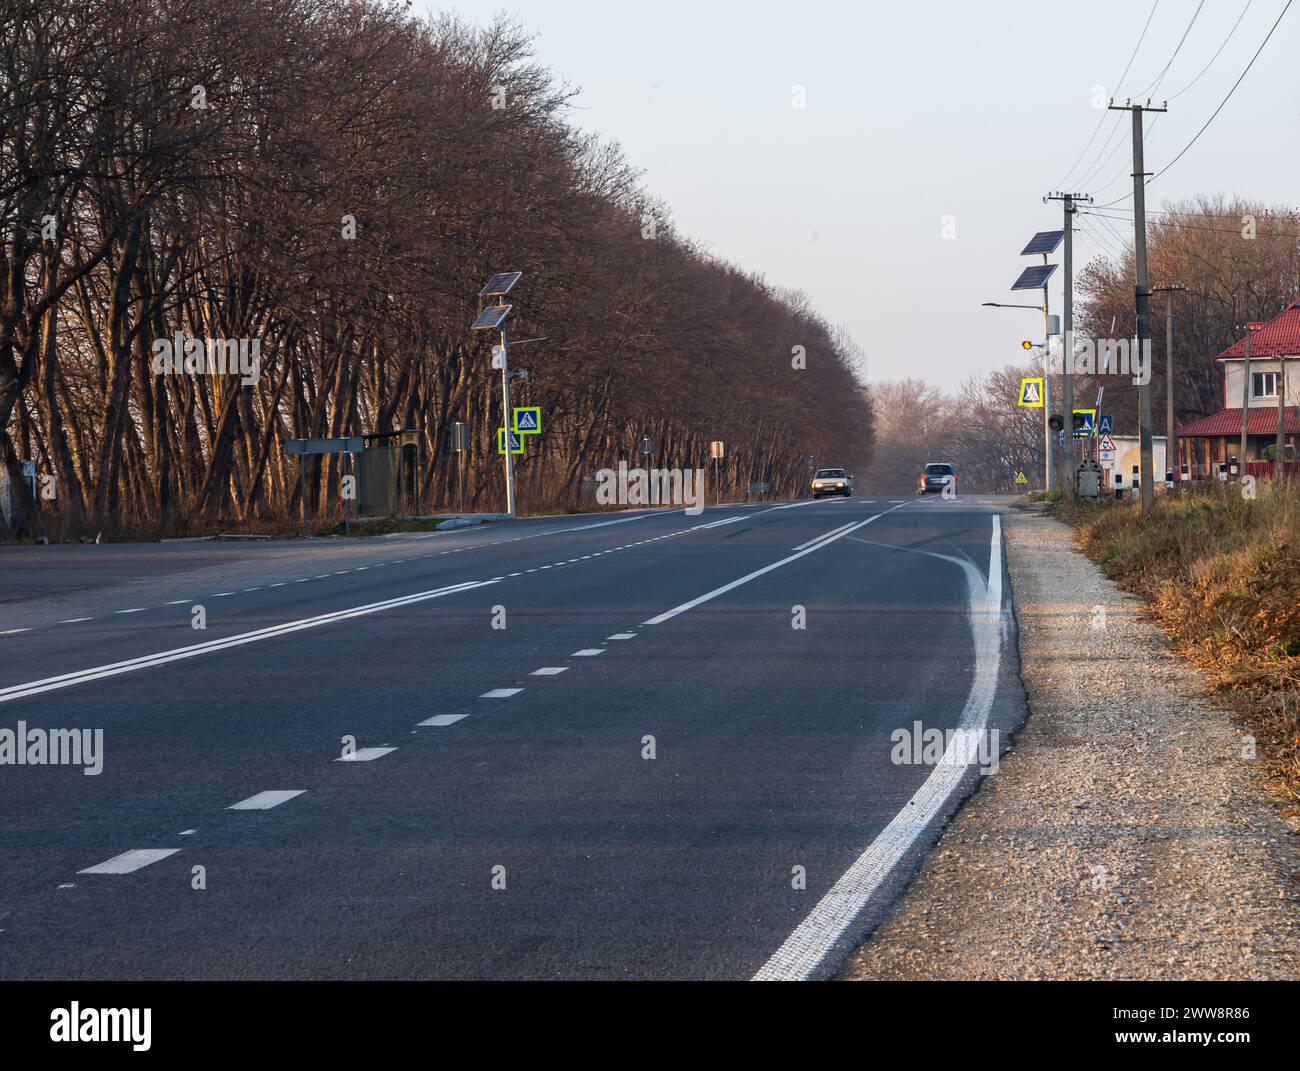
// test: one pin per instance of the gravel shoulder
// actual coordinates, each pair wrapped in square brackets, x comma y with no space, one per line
[1125,836]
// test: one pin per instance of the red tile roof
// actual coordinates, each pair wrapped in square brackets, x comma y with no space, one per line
[1261,421]
[1279,337]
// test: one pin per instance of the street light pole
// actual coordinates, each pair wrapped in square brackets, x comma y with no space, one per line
[1047,392]
[1049,465]
[505,421]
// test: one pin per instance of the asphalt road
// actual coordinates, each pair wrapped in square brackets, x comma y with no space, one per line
[521,835]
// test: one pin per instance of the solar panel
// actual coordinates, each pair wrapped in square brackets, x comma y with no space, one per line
[1034,278]
[502,284]
[490,318]
[1043,242]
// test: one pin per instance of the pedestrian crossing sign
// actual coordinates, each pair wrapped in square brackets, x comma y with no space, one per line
[527,419]
[516,442]
[1031,393]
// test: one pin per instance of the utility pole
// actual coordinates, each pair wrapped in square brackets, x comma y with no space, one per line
[1067,338]
[1142,300]
[1245,401]
[1173,456]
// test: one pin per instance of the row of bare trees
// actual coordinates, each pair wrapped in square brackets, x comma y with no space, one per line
[978,429]
[333,180]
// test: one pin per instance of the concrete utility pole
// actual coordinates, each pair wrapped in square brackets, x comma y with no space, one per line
[1173,456]
[1246,397]
[1245,401]
[1142,299]
[1067,339]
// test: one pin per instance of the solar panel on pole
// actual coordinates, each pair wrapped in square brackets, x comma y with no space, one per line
[502,284]
[1034,278]
[1044,242]
[490,318]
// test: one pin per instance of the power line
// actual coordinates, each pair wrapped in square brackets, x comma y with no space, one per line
[1123,242]
[1216,54]
[1100,241]
[1061,184]
[1175,224]
[1119,120]
[1123,170]
[1128,196]
[1151,88]
[1227,98]
[1161,77]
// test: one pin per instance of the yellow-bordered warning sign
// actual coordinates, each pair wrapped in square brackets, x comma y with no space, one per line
[1031,393]
[527,420]
[1021,478]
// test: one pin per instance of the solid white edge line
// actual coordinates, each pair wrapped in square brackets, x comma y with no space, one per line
[802,952]
[825,541]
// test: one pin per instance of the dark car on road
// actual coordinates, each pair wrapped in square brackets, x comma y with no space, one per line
[937,476]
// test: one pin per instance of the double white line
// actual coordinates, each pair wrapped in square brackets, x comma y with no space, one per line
[67,680]
[835,533]
[823,540]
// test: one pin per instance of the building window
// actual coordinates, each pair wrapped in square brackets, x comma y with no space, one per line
[1263,384]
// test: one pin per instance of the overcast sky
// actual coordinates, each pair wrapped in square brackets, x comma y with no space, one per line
[915,112]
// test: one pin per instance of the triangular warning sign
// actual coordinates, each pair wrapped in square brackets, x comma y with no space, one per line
[1021,478]
[1105,442]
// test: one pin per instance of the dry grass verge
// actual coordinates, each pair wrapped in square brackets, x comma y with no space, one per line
[1222,575]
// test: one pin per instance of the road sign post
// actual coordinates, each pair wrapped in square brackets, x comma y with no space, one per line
[459,445]
[718,450]
[351,444]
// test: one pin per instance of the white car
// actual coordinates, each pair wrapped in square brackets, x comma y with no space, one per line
[831,482]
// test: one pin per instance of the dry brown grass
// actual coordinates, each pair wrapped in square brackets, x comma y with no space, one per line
[1222,576]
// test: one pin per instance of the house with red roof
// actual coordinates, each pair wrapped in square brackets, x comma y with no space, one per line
[1274,361]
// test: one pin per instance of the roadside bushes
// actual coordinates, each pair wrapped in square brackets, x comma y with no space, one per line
[1222,574]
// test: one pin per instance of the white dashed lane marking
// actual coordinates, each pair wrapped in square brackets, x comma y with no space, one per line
[366,754]
[456,550]
[548,671]
[588,652]
[442,720]
[131,861]
[68,680]
[622,636]
[501,693]
[264,801]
